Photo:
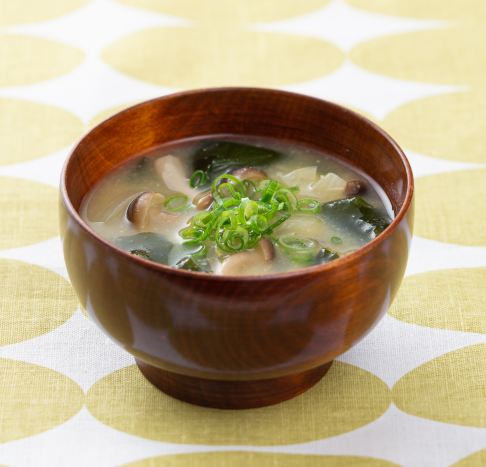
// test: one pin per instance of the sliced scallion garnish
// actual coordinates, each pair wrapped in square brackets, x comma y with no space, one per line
[262,184]
[299,249]
[202,252]
[269,191]
[191,233]
[176,203]
[277,223]
[237,222]
[259,223]
[308,205]
[198,178]
[336,240]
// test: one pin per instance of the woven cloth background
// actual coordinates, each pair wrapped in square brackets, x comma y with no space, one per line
[412,394]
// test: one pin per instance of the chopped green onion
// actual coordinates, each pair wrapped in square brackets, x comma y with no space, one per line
[198,178]
[232,202]
[232,218]
[237,222]
[283,198]
[276,224]
[336,240]
[290,195]
[269,191]
[251,209]
[253,240]
[232,240]
[204,235]
[241,211]
[259,223]
[202,219]
[248,183]
[202,252]
[174,203]
[231,190]
[262,184]
[191,233]
[217,212]
[236,239]
[263,208]
[237,183]
[299,249]
[308,205]
[274,207]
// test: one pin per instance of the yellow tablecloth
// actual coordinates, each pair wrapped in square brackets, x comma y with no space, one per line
[412,394]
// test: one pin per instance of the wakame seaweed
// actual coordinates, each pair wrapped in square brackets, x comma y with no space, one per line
[357,216]
[324,256]
[217,157]
[189,257]
[190,263]
[148,245]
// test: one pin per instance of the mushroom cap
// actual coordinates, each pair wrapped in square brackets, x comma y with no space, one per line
[355,187]
[137,209]
[248,173]
[203,200]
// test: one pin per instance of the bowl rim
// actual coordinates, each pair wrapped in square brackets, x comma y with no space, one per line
[309,270]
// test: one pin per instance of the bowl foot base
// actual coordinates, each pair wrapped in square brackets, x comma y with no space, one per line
[232,394]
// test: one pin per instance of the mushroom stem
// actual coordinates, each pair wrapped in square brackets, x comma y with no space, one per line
[171,171]
[267,249]
[256,261]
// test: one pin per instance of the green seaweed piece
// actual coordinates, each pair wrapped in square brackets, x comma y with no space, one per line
[183,257]
[140,253]
[324,256]
[218,157]
[357,216]
[147,245]
[190,263]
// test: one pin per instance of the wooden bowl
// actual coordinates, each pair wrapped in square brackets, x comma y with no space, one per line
[224,341]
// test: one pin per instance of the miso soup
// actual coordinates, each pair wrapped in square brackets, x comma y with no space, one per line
[237,206]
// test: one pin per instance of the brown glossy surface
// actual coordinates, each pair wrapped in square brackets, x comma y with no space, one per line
[236,328]
[232,394]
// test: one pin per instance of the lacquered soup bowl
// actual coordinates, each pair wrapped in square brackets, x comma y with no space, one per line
[224,341]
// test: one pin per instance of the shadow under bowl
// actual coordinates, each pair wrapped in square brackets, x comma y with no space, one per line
[227,341]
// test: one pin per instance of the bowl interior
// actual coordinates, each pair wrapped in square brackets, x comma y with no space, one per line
[239,111]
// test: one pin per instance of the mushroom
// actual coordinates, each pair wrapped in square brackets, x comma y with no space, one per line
[355,187]
[164,222]
[170,170]
[249,262]
[248,173]
[267,249]
[203,200]
[138,208]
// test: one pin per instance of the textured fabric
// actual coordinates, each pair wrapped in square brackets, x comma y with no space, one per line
[412,394]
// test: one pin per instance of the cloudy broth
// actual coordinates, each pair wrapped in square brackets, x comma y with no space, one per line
[284,206]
